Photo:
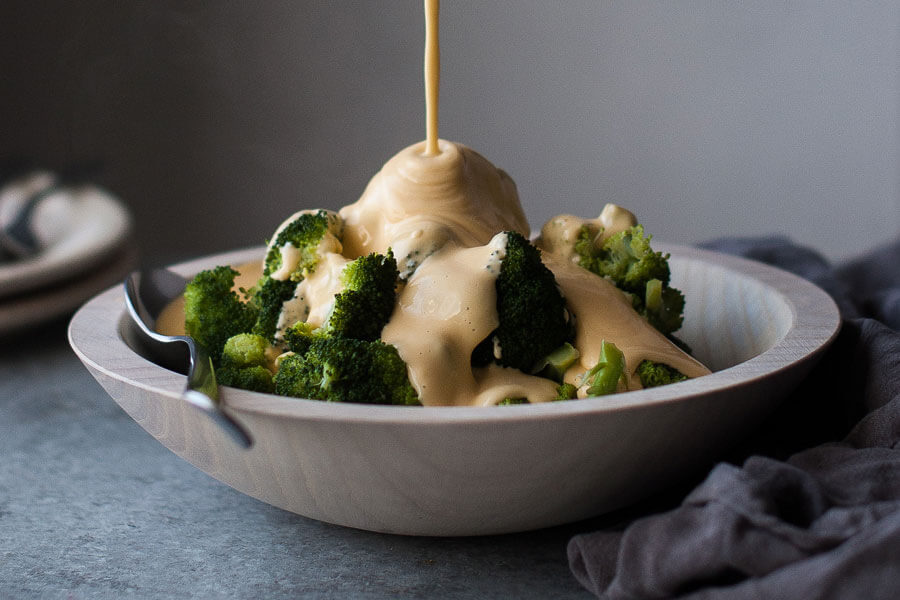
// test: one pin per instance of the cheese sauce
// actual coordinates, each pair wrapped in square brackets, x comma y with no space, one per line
[441,208]
[419,202]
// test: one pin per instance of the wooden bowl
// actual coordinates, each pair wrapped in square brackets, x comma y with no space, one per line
[488,470]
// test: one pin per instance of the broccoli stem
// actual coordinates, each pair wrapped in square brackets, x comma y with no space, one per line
[555,364]
[604,378]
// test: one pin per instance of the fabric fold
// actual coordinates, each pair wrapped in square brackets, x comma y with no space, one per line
[814,512]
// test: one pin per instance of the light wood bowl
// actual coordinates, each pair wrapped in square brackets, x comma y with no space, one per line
[487,470]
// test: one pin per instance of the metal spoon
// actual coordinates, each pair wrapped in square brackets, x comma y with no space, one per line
[146,294]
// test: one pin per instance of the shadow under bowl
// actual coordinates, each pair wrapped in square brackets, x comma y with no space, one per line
[450,471]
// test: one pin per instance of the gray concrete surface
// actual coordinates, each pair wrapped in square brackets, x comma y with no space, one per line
[91,506]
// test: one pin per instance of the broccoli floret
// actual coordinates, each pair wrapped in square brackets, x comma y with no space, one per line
[566,391]
[604,377]
[213,312]
[245,350]
[653,374]
[268,297]
[365,305]
[511,401]
[361,309]
[532,312]
[299,336]
[255,378]
[346,370]
[627,259]
[344,361]
[304,233]
[245,364]
[663,306]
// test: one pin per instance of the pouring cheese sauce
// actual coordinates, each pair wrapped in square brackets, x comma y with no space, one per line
[442,209]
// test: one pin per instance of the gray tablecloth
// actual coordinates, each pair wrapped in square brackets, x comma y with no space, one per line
[814,509]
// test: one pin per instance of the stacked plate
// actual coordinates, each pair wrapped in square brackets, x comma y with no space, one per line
[81,244]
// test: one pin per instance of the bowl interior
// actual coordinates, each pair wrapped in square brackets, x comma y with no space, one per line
[730,317]
[457,471]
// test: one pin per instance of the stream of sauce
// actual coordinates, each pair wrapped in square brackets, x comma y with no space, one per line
[432,76]
[442,208]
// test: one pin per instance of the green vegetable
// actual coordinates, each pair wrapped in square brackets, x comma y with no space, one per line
[555,364]
[268,298]
[213,312]
[245,365]
[245,350]
[604,377]
[344,359]
[305,233]
[365,305]
[654,374]
[511,401]
[299,336]
[627,259]
[338,369]
[566,391]
[255,378]
[532,312]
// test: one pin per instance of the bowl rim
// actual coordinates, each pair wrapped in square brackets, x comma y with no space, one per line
[815,322]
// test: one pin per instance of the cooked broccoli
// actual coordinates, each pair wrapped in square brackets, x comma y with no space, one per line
[255,378]
[304,234]
[627,259]
[213,312]
[346,370]
[653,374]
[604,377]
[555,364]
[531,310]
[344,360]
[360,311]
[268,297]
[663,306]
[566,391]
[245,363]
[246,350]
[365,305]
[511,401]
[299,336]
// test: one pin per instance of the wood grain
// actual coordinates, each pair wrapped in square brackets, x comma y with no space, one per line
[471,471]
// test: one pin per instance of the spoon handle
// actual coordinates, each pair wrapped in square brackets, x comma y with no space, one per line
[203,392]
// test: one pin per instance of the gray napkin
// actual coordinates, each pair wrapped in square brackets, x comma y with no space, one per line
[814,512]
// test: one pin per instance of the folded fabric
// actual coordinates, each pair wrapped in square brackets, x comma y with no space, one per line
[815,511]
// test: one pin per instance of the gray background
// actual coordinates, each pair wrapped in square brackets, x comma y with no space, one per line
[217,119]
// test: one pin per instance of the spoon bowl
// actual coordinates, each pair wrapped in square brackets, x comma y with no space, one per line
[146,294]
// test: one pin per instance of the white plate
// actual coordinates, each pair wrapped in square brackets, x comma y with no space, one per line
[94,226]
[28,310]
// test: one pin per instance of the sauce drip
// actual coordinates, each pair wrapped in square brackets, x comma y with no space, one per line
[432,76]
[442,209]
